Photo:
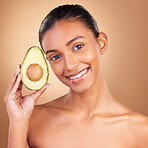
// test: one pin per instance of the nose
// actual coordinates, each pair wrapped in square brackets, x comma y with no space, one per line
[71,62]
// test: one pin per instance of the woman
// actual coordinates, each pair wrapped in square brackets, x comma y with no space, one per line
[88,116]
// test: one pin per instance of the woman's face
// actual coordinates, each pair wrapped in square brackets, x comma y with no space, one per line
[74,54]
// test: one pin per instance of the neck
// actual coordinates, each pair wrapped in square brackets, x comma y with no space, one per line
[92,101]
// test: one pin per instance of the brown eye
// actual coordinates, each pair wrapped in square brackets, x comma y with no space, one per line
[55,57]
[78,47]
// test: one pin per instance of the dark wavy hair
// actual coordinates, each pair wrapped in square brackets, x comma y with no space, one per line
[65,12]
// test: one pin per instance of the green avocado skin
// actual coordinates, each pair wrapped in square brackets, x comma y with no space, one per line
[34,55]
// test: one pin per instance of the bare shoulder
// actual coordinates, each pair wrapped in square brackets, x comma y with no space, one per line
[139,127]
[139,120]
[46,112]
[44,119]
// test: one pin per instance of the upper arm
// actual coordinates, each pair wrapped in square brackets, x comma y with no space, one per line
[31,125]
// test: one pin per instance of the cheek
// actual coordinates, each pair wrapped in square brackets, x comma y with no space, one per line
[93,58]
[92,55]
[57,69]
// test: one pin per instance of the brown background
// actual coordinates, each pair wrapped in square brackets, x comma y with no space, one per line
[125,63]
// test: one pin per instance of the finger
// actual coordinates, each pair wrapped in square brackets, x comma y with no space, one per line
[10,93]
[16,84]
[38,93]
[17,71]
[20,85]
[19,91]
[14,77]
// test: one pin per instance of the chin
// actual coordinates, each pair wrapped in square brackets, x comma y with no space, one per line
[81,87]
[79,90]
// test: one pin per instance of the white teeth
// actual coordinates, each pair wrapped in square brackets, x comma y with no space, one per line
[79,75]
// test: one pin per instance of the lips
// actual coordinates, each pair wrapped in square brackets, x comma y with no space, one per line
[78,75]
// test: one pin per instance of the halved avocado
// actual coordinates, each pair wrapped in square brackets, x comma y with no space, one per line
[34,69]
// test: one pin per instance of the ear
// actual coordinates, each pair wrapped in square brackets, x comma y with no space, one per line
[103,42]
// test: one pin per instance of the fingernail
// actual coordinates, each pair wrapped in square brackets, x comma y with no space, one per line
[18,67]
[47,85]
[19,75]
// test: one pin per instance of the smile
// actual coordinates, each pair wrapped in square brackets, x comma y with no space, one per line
[80,75]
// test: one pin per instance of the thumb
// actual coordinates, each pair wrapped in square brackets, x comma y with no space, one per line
[38,93]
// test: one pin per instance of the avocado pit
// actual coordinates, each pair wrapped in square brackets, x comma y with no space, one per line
[34,72]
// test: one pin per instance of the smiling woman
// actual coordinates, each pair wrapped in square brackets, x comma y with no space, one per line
[88,116]
[76,53]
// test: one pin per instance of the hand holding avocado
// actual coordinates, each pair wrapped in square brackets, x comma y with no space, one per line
[20,107]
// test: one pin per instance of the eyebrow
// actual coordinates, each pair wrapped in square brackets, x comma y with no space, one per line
[48,51]
[67,44]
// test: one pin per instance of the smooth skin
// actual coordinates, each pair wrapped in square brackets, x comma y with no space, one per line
[88,116]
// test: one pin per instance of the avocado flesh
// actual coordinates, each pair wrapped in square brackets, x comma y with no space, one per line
[34,56]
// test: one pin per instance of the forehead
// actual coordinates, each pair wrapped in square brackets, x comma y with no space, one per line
[64,31]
